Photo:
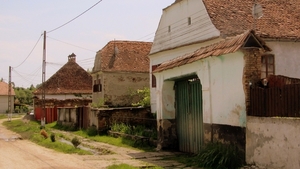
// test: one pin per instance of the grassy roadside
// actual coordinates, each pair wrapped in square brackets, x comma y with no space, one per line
[31,131]
[14,115]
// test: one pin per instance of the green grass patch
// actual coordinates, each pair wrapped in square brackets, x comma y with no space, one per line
[188,159]
[14,115]
[31,131]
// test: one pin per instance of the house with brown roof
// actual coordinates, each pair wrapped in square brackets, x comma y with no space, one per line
[69,82]
[205,55]
[4,97]
[120,68]
[70,86]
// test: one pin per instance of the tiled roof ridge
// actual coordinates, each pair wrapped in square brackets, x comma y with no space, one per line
[225,46]
[280,19]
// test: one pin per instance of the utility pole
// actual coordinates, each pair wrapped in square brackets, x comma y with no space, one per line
[43,82]
[9,113]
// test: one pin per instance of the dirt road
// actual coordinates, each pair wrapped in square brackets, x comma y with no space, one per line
[17,154]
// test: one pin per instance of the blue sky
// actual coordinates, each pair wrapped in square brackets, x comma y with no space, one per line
[23,22]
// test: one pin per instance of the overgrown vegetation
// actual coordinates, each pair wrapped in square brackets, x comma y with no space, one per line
[214,156]
[99,104]
[24,95]
[221,156]
[138,130]
[144,95]
[92,131]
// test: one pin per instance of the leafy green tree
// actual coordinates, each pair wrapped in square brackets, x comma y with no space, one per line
[24,95]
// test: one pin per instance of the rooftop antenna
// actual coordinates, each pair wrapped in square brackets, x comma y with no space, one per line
[257,12]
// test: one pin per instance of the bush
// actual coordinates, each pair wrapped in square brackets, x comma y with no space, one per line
[75,141]
[221,156]
[144,94]
[52,137]
[44,133]
[92,131]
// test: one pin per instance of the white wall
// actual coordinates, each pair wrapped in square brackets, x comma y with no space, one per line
[181,33]
[183,38]
[286,58]
[273,142]
[4,104]
[223,93]
[164,56]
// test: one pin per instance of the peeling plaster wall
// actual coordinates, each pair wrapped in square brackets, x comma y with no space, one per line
[118,87]
[273,142]
[222,88]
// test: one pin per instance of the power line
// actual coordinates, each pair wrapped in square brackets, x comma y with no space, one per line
[30,51]
[71,44]
[75,17]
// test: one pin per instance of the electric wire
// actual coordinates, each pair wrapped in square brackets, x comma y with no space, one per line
[71,44]
[30,52]
[74,18]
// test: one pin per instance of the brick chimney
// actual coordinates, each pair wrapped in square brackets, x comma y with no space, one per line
[72,58]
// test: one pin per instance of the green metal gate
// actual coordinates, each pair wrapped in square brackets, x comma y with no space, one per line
[189,116]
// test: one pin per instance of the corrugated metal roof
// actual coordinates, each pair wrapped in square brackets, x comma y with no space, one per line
[229,45]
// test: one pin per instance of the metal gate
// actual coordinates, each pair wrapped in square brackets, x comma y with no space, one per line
[189,116]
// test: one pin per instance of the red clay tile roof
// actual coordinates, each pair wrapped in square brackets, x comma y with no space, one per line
[123,56]
[4,89]
[281,18]
[229,45]
[69,79]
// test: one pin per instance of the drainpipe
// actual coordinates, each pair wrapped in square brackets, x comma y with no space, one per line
[210,102]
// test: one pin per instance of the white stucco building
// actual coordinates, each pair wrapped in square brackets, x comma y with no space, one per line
[203,58]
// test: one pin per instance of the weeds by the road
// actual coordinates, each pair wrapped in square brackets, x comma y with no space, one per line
[31,131]
[120,142]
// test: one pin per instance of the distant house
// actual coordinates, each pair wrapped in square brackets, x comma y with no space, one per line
[120,68]
[4,97]
[70,82]
[204,56]
[70,86]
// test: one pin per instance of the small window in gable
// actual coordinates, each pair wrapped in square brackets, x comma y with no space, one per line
[169,28]
[267,65]
[153,82]
[189,20]
[97,87]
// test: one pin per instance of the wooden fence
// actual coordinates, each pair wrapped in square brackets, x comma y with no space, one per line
[283,101]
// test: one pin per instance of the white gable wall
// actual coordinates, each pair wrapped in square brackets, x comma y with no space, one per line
[173,29]
[286,58]
[223,93]
[182,38]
